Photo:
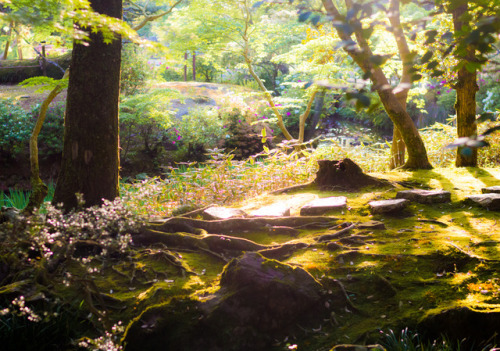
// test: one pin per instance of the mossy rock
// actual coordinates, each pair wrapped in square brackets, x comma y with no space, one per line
[259,300]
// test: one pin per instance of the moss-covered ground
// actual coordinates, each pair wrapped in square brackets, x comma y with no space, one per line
[430,258]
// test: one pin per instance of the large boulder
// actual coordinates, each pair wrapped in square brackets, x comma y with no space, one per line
[259,300]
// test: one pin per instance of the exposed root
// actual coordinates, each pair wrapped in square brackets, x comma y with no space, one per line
[237,225]
[282,251]
[336,235]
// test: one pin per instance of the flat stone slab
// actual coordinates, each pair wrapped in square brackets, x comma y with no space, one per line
[425,196]
[216,212]
[324,205]
[491,190]
[274,210]
[388,206]
[489,201]
[371,225]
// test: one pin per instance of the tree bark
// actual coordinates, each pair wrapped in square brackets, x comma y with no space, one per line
[466,88]
[398,147]
[7,43]
[39,189]
[185,67]
[361,54]
[194,66]
[90,153]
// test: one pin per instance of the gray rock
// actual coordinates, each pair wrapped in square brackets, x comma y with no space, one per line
[274,210]
[216,212]
[324,205]
[489,201]
[425,196]
[491,189]
[371,225]
[388,206]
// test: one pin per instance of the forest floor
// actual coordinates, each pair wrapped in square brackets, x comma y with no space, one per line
[434,267]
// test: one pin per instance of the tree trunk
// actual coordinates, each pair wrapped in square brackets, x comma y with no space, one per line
[15,71]
[466,88]
[194,66]
[7,43]
[362,54]
[398,147]
[185,67]
[90,153]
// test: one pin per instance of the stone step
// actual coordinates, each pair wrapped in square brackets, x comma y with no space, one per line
[218,212]
[388,206]
[491,190]
[275,210]
[323,205]
[490,201]
[425,196]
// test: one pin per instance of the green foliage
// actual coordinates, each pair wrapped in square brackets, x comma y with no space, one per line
[14,129]
[200,129]
[43,289]
[134,70]
[18,199]
[45,83]
[16,126]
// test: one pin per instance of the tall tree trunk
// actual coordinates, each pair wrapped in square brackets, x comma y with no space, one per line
[185,67]
[466,88]
[398,147]
[417,154]
[90,153]
[7,43]
[194,66]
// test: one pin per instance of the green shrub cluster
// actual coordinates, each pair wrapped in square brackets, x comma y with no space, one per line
[16,126]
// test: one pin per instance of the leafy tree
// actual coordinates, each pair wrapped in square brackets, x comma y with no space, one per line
[360,51]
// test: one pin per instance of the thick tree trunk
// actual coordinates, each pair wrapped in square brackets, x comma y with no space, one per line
[417,154]
[466,88]
[90,154]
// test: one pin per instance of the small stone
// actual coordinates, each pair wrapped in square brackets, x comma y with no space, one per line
[388,206]
[324,205]
[371,225]
[491,189]
[425,196]
[490,201]
[274,210]
[216,212]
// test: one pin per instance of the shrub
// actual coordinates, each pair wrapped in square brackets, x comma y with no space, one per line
[134,70]
[15,129]
[50,139]
[244,139]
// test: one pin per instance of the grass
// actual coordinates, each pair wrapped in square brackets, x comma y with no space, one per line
[19,198]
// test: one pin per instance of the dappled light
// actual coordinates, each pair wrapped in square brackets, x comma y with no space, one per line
[245,175]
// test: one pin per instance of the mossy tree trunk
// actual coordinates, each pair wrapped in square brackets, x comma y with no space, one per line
[398,147]
[362,56]
[466,88]
[39,189]
[90,153]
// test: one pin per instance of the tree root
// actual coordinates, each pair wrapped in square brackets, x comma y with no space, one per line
[283,251]
[336,235]
[237,225]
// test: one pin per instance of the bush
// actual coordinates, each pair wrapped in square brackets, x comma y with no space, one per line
[50,139]
[243,139]
[15,129]
[134,71]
